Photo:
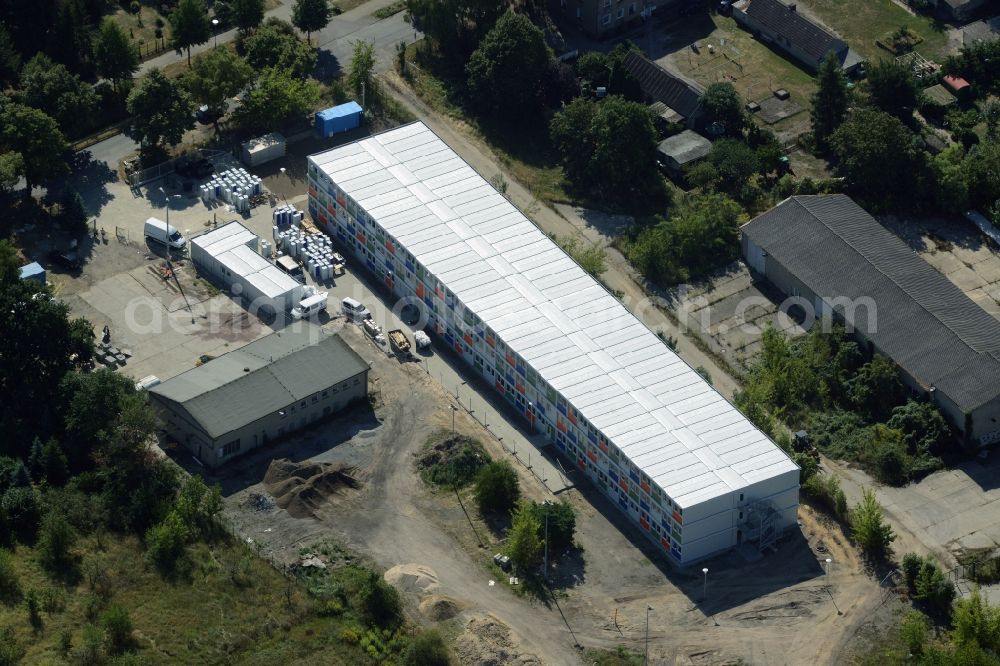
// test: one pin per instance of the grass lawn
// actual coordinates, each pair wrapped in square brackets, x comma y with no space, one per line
[861,22]
[235,609]
[143,36]
[526,152]
[754,69]
[341,6]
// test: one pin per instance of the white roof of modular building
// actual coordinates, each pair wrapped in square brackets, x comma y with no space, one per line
[230,245]
[616,372]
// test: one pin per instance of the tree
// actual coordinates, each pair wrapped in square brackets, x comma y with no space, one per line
[976,622]
[427,649]
[497,488]
[48,463]
[189,26]
[990,112]
[561,524]
[700,235]
[829,104]
[868,528]
[51,87]
[274,44]
[880,159]
[310,16]
[361,79]
[20,506]
[199,506]
[875,390]
[892,88]
[276,98]
[247,14]
[166,544]
[117,625]
[36,137]
[721,104]
[735,163]
[505,72]
[379,601]
[594,67]
[10,584]
[160,108]
[11,170]
[56,540]
[933,587]
[558,85]
[456,26]
[913,630]
[215,76]
[114,55]
[609,147]
[924,429]
[10,59]
[93,403]
[70,37]
[524,546]
[73,211]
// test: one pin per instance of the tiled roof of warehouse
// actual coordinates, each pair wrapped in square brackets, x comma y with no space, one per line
[620,376]
[782,19]
[923,321]
[663,86]
[262,377]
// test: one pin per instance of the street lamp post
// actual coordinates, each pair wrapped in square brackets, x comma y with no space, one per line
[704,586]
[215,29]
[829,561]
[545,562]
[645,659]
[453,410]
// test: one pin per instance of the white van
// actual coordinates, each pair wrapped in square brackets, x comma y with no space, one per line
[147,382]
[310,306]
[354,309]
[161,232]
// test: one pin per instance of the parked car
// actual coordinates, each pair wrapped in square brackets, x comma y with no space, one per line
[68,260]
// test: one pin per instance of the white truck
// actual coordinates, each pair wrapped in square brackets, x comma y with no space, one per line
[310,306]
[161,232]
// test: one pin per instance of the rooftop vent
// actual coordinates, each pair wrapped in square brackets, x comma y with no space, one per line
[246,369]
[792,7]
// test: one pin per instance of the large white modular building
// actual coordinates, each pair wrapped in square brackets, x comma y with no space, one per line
[229,255]
[684,464]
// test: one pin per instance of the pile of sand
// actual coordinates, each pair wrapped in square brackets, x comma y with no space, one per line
[302,488]
[438,607]
[487,642]
[412,578]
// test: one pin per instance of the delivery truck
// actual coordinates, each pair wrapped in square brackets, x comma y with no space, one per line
[159,231]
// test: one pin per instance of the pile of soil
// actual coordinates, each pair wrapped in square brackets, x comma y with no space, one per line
[438,607]
[303,488]
[487,642]
[412,578]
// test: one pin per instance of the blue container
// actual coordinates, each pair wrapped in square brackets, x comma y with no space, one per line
[33,271]
[338,119]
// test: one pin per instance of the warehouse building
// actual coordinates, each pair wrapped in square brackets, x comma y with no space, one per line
[229,256]
[829,252]
[261,392]
[680,461]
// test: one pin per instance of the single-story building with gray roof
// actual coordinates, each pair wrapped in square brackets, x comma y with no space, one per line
[834,257]
[261,392]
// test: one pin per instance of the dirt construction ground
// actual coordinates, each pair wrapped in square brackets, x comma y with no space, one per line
[354,481]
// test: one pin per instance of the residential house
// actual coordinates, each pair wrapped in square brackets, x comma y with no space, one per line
[674,99]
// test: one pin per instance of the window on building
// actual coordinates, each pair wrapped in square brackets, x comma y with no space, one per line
[282,413]
[621,12]
[356,381]
[606,19]
[302,404]
[324,394]
[315,398]
[231,447]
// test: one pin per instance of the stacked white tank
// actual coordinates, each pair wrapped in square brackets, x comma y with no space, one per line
[287,214]
[315,251]
[233,186]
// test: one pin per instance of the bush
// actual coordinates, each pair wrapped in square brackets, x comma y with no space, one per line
[379,601]
[825,488]
[497,487]
[873,535]
[55,544]
[453,463]
[427,649]
[523,543]
[913,631]
[911,568]
[10,584]
[166,542]
[11,652]
[117,625]
[930,584]
[20,505]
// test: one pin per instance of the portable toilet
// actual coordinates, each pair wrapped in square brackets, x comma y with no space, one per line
[338,119]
